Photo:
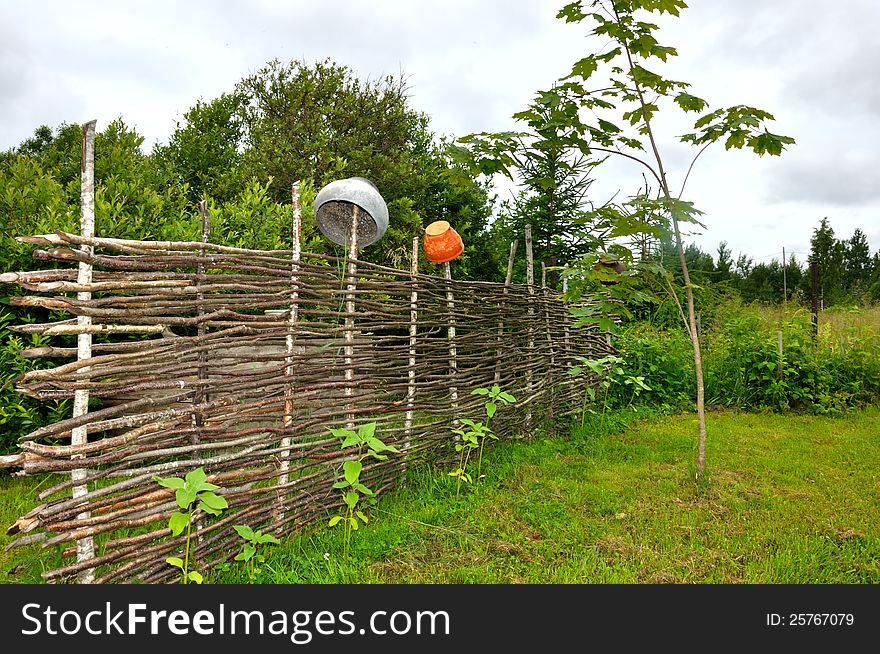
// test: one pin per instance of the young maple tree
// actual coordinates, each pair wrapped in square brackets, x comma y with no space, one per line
[617,119]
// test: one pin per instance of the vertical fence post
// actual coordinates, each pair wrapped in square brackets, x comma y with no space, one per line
[545,296]
[199,396]
[779,350]
[550,375]
[814,288]
[453,354]
[292,319]
[507,280]
[198,420]
[350,288]
[413,333]
[85,547]
[530,280]
[569,359]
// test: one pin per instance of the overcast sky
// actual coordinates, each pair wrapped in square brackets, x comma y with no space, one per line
[472,63]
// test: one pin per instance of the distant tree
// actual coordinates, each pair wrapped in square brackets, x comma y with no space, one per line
[795,275]
[553,178]
[857,264]
[205,151]
[743,266]
[874,284]
[828,252]
[56,151]
[724,262]
[320,123]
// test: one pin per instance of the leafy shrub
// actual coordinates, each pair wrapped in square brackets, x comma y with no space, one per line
[744,369]
[664,358]
[20,414]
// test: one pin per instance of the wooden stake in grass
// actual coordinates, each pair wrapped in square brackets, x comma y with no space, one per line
[453,354]
[85,548]
[413,330]
[530,280]
[350,288]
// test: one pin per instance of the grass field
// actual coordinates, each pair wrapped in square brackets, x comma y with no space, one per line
[790,499]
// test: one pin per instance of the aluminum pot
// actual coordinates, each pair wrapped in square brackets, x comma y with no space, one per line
[442,243]
[334,206]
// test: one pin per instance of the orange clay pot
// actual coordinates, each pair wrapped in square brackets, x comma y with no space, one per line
[442,243]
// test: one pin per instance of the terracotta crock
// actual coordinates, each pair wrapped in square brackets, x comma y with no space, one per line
[610,265]
[442,243]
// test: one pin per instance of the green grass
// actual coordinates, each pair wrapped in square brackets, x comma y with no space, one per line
[17,497]
[789,499]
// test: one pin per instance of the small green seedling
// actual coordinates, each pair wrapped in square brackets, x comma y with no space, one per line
[364,437]
[611,372]
[193,494]
[477,433]
[466,442]
[250,553]
[495,398]
[354,493]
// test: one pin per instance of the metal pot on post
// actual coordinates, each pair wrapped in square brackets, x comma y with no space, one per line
[351,212]
[335,208]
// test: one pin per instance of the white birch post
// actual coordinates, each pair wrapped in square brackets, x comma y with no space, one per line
[413,331]
[507,280]
[569,359]
[453,355]
[85,547]
[530,280]
[198,420]
[350,288]
[292,319]
[780,351]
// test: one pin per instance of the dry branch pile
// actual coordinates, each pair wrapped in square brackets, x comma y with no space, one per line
[223,377]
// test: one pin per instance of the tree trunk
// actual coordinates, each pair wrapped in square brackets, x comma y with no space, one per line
[691,313]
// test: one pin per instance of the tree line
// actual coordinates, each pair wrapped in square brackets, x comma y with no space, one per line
[847,272]
[242,151]
[316,123]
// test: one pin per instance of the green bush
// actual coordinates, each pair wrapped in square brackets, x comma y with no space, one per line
[664,358]
[743,367]
[20,414]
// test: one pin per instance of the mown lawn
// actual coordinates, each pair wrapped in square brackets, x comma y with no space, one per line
[790,499]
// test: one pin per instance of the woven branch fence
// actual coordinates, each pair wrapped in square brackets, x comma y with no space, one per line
[248,358]
[240,361]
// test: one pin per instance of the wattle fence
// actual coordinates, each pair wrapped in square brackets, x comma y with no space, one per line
[240,361]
